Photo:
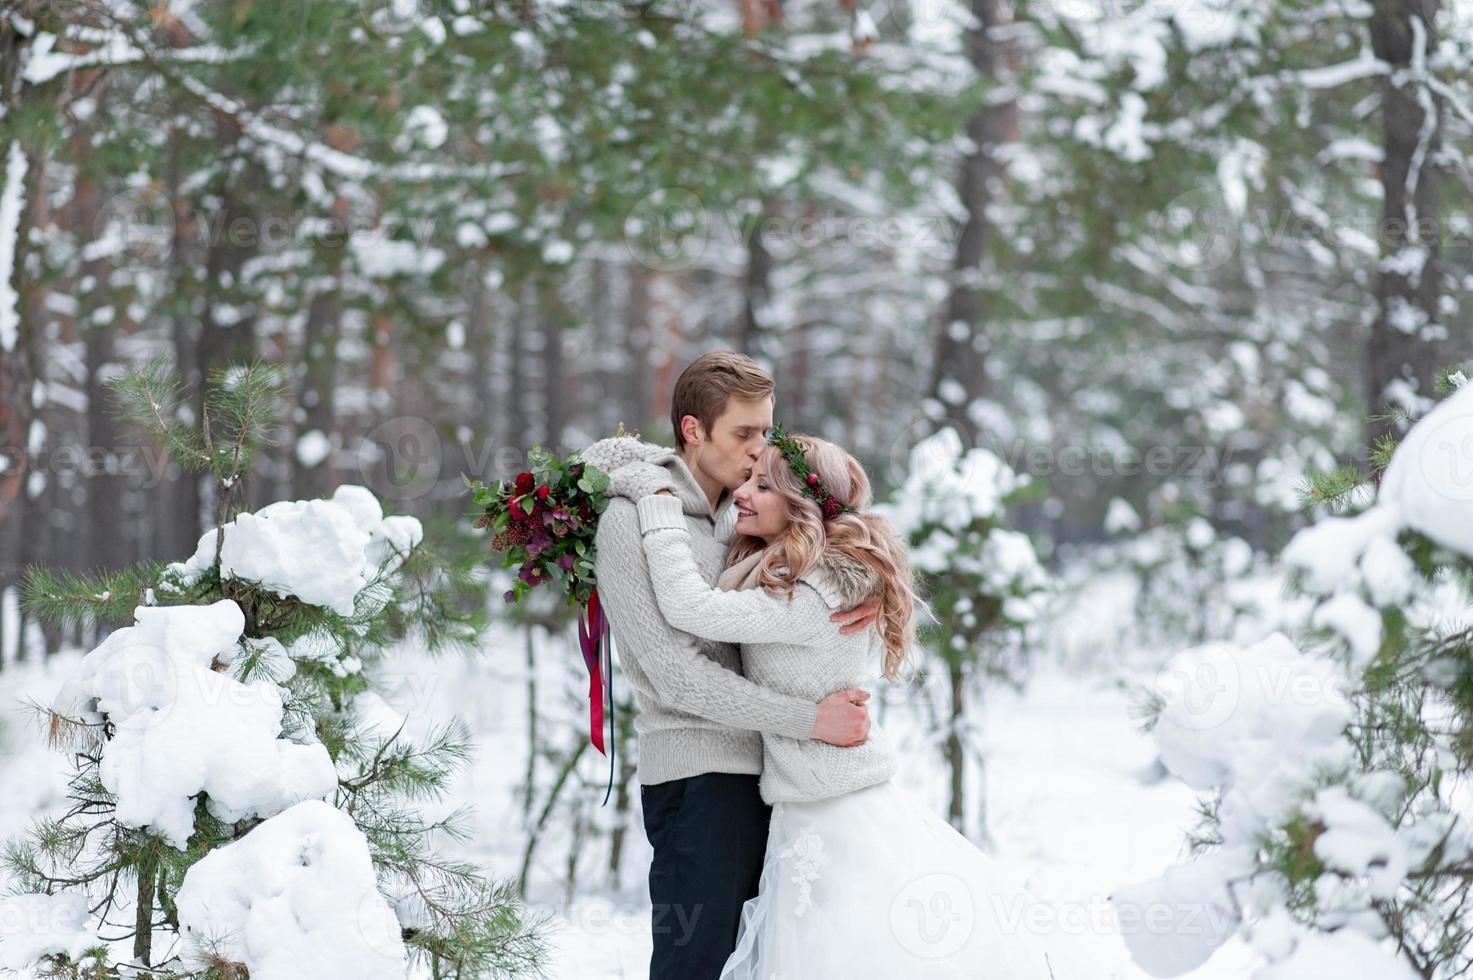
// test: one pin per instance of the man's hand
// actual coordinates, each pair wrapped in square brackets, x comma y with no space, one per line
[843,718]
[861,617]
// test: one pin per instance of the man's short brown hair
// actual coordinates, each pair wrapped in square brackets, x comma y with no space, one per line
[709,382]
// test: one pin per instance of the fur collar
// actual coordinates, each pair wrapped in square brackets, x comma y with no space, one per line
[843,581]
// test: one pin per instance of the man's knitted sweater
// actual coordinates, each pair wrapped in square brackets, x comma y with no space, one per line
[697,713]
[788,644]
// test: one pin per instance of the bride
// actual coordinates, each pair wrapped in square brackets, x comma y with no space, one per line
[860,879]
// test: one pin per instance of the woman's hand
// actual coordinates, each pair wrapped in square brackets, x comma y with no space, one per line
[640,479]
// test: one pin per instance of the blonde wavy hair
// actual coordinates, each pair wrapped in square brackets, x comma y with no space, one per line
[861,535]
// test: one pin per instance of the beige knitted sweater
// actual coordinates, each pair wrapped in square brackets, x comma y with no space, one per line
[697,713]
[787,645]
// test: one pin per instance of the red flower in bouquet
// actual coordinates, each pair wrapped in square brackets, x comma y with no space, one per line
[543,523]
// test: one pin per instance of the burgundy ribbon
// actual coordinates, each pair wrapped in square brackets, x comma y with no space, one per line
[596,642]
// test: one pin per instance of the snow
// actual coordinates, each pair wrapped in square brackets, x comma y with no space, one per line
[294,898]
[1070,795]
[1120,517]
[1388,573]
[1174,922]
[1257,723]
[34,925]
[12,198]
[1265,726]
[1008,561]
[1356,622]
[1327,552]
[1366,65]
[950,487]
[312,447]
[1228,709]
[181,728]
[1427,487]
[382,258]
[1359,841]
[322,551]
[1344,955]
[1430,476]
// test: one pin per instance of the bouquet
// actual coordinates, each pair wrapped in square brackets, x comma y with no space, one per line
[544,521]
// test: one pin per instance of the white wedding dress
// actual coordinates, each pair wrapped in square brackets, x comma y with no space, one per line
[873,885]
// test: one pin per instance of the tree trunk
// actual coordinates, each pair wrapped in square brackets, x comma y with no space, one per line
[959,373]
[956,754]
[1405,348]
[639,391]
[104,531]
[19,366]
[233,239]
[757,291]
[179,521]
[482,340]
[319,381]
[532,731]
[594,390]
[143,910]
[518,419]
[552,315]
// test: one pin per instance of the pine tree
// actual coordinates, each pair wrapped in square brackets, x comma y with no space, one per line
[313,663]
[982,579]
[1333,766]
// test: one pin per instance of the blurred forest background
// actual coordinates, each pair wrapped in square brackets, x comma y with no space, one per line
[1165,257]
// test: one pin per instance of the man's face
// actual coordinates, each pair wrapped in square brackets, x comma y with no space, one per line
[726,453]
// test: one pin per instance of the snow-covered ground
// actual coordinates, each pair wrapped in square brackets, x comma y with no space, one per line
[1074,797]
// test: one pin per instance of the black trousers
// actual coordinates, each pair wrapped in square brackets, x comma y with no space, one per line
[709,833]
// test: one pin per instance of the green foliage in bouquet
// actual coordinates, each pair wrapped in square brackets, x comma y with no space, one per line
[543,522]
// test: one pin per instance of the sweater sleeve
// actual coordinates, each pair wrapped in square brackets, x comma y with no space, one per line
[682,676]
[690,603]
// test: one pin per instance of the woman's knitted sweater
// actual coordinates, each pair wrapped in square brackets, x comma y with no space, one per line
[790,646]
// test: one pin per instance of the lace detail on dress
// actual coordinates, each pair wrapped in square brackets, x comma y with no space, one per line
[806,852]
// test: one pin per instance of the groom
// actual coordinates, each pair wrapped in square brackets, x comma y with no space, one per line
[700,721]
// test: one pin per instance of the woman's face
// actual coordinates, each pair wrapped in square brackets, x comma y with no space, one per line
[761,511]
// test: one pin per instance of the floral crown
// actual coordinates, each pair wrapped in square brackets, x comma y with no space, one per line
[812,486]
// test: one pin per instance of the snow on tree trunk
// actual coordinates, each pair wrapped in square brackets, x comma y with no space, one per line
[1404,353]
